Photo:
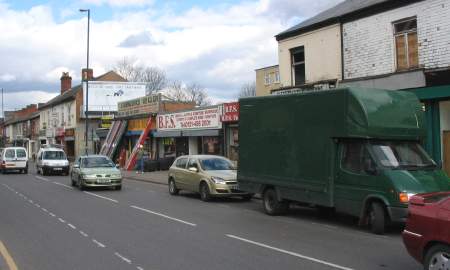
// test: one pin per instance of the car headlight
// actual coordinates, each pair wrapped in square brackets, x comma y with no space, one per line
[118,175]
[218,180]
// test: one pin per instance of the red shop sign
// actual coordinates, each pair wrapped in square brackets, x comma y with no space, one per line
[230,112]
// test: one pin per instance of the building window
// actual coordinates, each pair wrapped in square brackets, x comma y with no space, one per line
[277,77]
[406,48]
[267,78]
[298,65]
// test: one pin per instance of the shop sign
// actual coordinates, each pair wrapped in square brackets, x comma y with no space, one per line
[230,112]
[106,121]
[196,119]
[70,132]
[60,132]
[137,106]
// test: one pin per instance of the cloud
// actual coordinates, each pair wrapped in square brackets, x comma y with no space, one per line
[16,100]
[7,77]
[119,3]
[139,39]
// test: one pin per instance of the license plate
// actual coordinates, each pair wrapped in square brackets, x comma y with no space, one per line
[10,165]
[57,169]
[103,181]
[234,186]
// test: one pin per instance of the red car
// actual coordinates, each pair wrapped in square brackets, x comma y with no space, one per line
[427,232]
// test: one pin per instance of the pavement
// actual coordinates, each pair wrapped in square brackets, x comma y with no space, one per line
[48,224]
[156,177]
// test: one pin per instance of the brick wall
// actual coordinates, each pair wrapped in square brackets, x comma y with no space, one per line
[369,47]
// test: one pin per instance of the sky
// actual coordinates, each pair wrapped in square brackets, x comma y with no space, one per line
[217,44]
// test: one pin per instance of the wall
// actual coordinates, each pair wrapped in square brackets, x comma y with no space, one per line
[169,106]
[263,89]
[193,145]
[369,47]
[322,55]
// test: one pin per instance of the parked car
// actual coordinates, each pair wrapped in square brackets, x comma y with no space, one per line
[211,176]
[14,159]
[427,235]
[95,171]
[52,160]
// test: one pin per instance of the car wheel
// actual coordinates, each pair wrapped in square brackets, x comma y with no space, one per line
[205,195]
[247,197]
[272,206]
[71,181]
[173,190]
[377,218]
[80,184]
[118,187]
[437,257]
[37,170]
[25,171]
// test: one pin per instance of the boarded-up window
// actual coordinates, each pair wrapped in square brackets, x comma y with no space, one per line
[405,33]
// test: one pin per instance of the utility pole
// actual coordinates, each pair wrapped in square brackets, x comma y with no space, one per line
[86,113]
[3,124]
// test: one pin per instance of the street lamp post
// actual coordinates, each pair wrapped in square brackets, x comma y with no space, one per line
[87,81]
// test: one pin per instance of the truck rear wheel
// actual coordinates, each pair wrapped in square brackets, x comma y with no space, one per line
[272,206]
[377,218]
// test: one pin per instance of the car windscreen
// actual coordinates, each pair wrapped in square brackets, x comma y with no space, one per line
[21,153]
[216,164]
[54,155]
[10,153]
[97,162]
[401,155]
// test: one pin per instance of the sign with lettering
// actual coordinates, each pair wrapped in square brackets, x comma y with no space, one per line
[230,112]
[208,118]
[142,105]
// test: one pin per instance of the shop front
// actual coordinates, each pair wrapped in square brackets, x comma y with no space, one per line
[69,139]
[230,120]
[190,132]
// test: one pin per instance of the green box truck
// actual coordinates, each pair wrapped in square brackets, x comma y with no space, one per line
[354,150]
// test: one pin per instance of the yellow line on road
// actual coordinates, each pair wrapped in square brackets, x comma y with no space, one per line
[9,260]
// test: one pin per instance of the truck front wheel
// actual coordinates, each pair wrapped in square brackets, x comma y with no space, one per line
[377,218]
[272,206]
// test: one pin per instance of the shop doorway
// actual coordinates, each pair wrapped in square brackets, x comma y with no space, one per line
[182,146]
[70,150]
[446,154]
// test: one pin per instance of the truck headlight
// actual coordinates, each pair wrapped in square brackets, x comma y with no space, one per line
[404,196]
[218,180]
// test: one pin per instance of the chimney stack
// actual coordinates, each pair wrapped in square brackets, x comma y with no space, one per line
[66,82]
[87,74]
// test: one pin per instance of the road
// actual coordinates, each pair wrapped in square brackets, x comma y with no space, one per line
[47,224]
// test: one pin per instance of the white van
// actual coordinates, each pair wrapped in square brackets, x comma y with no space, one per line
[14,159]
[52,160]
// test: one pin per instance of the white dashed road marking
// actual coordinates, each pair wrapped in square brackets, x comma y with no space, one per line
[71,226]
[102,197]
[123,258]
[63,185]
[42,178]
[290,253]
[162,215]
[98,243]
[84,234]
[51,214]
[61,220]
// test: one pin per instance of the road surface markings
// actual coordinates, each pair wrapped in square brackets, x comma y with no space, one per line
[9,260]
[162,215]
[83,234]
[139,268]
[123,258]
[45,210]
[61,220]
[51,214]
[63,185]
[42,178]
[37,205]
[290,253]
[30,201]
[98,243]
[102,197]
[71,226]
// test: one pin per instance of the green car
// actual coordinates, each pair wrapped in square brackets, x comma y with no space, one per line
[209,175]
[95,171]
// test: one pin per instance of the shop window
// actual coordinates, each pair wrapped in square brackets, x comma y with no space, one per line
[298,65]
[406,45]
[234,144]
[211,146]
[169,146]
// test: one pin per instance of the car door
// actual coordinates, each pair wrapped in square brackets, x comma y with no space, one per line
[10,156]
[180,173]
[76,169]
[193,178]
[21,158]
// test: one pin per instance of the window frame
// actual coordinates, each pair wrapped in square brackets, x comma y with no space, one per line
[179,160]
[293,51]
[405,36]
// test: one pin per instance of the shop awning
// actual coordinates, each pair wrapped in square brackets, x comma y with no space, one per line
[435,92]
[167,134]
[204,132]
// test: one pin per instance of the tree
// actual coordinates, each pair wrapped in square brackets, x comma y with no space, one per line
[154,77]
[188,93]
[247,90]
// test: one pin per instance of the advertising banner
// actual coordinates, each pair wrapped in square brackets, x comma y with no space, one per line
[230,112]
[104,96]
[142,105]
[208,118]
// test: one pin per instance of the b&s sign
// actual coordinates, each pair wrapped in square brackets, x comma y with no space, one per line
[230,112]
[196,119]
